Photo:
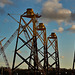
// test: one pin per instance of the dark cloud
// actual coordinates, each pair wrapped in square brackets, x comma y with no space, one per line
[73,16]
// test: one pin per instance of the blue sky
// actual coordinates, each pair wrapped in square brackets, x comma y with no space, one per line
[63,24]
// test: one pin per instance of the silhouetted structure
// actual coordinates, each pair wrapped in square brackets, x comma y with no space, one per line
[37,44]
[53,52]
[74,61]
[30,41]
[73,64]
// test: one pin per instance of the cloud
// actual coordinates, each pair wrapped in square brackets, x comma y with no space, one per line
[4,2]
[38,1]
[71,29]
[19,51]
[60,29]
[62,57]
[73,16]
[53,11]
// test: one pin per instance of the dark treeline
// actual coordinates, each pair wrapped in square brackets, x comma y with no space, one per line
[5,71]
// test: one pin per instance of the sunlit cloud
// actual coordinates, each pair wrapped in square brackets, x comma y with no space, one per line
[62,57]
[2,5]
[71,29]
[60,29]
[19,51]
[54,11]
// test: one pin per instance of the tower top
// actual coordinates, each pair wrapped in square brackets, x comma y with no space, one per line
[53,36]
[30,14]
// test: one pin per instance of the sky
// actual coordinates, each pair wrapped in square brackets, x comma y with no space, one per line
[57,15]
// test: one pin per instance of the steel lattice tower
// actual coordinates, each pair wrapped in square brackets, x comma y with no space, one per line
[32,37]
[54,54]
[32,33]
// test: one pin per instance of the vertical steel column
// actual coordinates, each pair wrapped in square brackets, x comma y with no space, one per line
[43,39]
[35,46]
[16,46]
[73,61]
[56,57]
[73,64]
[45,53]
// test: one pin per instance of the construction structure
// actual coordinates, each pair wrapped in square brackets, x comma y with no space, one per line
[73,65]
[53,54]
[4,57]
[73,61]
[3,53]
[32,37]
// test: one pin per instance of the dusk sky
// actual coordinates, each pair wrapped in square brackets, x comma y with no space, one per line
[57,15]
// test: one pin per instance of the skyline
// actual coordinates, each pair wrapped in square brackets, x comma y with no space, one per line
[64,28]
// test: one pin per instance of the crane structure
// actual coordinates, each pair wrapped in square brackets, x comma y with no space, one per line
[8,42]
[3,53]
[2,49]
[31,36]
[4,56]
